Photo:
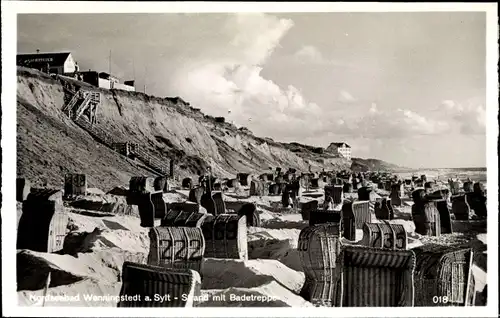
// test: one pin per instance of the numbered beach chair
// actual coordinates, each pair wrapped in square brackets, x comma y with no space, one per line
[384,235]
[443,276]
[176,247]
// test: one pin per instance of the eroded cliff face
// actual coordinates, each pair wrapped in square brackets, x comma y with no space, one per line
[50,144]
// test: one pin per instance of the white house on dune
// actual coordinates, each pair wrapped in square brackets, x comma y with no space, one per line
[340,148]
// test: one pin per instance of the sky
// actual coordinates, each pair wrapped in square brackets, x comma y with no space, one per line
[408,88]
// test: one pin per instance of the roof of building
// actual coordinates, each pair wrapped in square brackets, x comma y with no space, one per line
[339,144]
[53,58]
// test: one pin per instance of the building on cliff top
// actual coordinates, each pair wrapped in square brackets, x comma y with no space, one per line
[340,148]
[63,63]
[107,81]
[58,63]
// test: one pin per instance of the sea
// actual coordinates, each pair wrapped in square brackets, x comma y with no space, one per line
[443,174]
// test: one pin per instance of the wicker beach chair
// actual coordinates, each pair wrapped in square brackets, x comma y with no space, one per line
[383,210]
[254,188]
[426,218]
[151,206]
[377,277]
[187,183]
[444,216]
[195,194]
[468,186]
[176,247]
[306,209]
[454,187]
[443,276]
[75,184]
[319,248]
[244,179]
[356,214]
[220,206]
[460,207]
[225,236]
[347,187]
[337,195]
[207,201]
[142,284]
[161,184]
[364,193]
[249,210]
[139,186]
[477,203]
[384,235]
[325,216]
[397,192]
[425,215]
[42,226]
[274,189]
[159,204]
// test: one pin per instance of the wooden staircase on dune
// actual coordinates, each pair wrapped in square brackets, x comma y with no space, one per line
[83,103]
[82,109]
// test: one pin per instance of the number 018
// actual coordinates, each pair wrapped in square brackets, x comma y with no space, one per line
[440,299]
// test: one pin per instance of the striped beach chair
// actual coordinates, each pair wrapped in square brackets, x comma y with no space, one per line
[142,284]
[377,277]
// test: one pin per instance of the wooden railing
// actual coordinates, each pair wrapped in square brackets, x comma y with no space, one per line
[101,135]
